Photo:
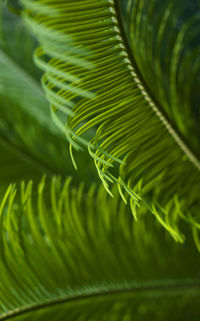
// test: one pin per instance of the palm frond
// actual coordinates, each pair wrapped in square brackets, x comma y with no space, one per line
[82,256]
[84,51]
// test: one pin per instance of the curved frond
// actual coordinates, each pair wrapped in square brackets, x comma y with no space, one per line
[126,126]
[81,256]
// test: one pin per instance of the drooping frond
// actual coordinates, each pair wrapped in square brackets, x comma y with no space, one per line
[81,256]
[92,76]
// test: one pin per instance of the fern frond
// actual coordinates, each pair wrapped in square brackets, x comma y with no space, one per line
[82,256]
[128,129]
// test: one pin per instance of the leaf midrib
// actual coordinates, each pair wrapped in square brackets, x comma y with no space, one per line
[152,101]
[155,289]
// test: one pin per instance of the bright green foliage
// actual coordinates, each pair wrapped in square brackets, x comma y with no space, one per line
[122,79]
[84,258]
[84,52]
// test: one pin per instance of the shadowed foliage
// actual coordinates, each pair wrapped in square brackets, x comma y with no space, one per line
[115,97]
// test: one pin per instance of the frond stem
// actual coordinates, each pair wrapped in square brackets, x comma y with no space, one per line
[150,98]
[167,288]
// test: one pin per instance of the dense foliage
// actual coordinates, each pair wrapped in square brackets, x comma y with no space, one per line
[99,160]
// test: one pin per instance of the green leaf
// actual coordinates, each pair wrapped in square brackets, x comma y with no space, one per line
[84,50]
[65,253]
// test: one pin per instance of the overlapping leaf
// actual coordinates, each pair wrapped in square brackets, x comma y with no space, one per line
[81,256]
[91,77]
